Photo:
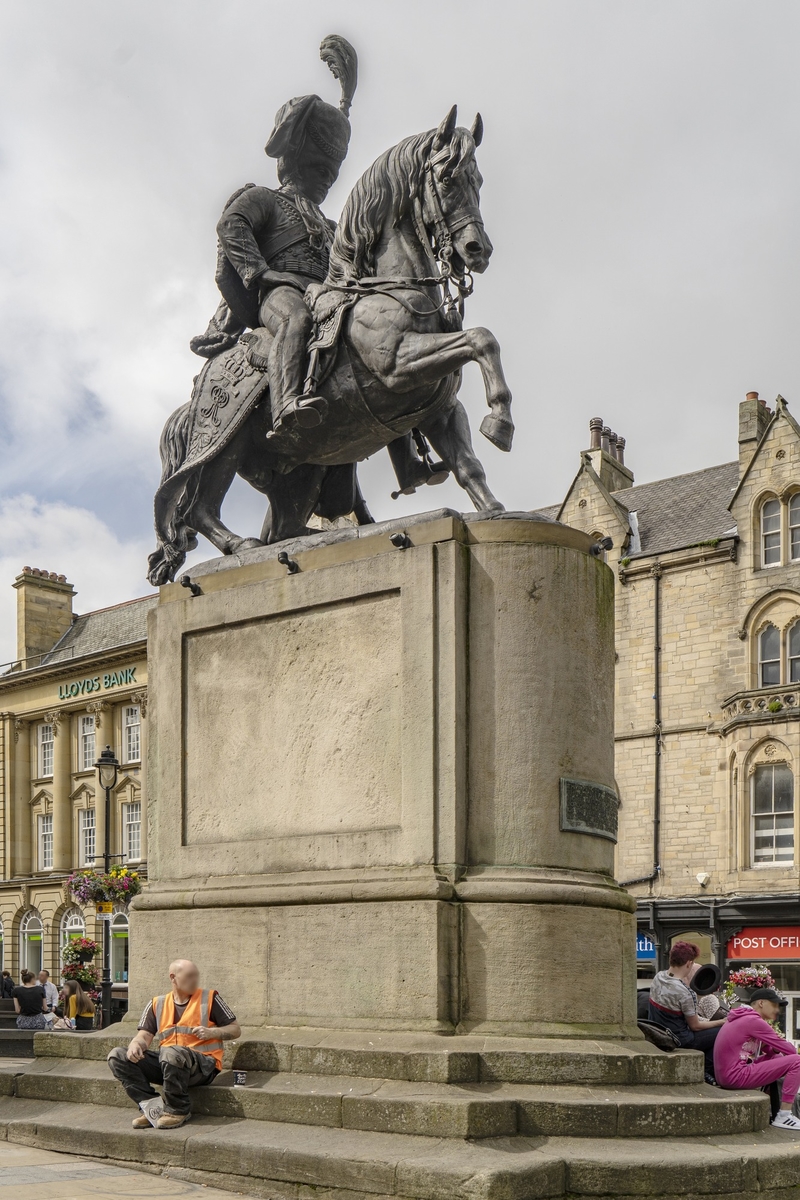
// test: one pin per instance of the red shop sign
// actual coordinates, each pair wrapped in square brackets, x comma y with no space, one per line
[763,942]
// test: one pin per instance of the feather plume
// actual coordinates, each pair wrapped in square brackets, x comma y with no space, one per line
[342,61]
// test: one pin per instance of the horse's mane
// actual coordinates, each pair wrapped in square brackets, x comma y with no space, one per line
[385,192]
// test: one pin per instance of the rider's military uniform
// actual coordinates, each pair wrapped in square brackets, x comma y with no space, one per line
[260,229]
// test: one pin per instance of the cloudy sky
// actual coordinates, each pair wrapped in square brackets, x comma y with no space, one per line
[642,180]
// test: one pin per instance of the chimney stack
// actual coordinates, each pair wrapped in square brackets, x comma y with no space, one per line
[44,612]
[606,454]
[754,417]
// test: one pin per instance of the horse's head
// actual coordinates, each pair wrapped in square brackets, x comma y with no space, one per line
[451,197]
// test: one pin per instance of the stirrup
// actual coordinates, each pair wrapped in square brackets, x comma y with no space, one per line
[310,411]
[305,412]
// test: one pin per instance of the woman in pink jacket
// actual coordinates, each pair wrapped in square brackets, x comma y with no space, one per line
[748,1053]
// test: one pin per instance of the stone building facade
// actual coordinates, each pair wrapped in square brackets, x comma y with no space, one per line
[707,691]
[79,684]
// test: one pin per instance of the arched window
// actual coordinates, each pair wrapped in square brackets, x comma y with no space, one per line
[771,533]
[793,653]
[794,526]
[769,656]
[119,947]
[72,926]
[31,944]
[772,815]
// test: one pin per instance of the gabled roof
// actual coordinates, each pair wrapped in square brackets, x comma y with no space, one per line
[616,508]
[781,410]
[684,510]
[105,629]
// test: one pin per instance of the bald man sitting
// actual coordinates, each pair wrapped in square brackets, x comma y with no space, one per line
[193,1023]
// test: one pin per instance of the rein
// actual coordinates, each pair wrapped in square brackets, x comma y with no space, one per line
[444,228]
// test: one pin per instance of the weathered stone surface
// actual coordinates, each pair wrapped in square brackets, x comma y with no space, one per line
[339,1158]
[231,1153]
[382,688]
[433,1116]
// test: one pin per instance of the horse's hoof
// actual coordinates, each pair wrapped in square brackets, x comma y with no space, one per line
[310,412]
[245,544]
[499,431]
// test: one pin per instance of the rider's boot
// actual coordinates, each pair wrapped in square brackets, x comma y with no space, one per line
[292,405]
[412,471]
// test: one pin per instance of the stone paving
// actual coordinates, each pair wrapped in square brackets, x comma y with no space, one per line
[74,1178]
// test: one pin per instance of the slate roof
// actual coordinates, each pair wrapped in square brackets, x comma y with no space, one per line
[104,629]
[678,512]
[684,510]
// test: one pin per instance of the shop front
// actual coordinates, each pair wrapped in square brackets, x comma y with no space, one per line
[733,932]
[778,948]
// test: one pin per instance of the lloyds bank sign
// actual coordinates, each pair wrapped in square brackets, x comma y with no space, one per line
[97,683]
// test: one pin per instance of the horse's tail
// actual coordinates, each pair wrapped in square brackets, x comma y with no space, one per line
[173,444]
[174,536]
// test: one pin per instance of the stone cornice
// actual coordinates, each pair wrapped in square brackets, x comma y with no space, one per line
[71,666]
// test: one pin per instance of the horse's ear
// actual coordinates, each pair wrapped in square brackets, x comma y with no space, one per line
[477,129]
[444,134]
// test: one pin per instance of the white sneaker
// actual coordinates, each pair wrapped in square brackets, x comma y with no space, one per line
[786,1120]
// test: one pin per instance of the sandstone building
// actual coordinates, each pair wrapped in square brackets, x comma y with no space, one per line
[79,683]
[707,691]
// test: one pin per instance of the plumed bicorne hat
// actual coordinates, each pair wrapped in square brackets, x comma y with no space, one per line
[311,117]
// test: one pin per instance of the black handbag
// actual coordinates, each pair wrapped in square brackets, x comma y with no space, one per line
[665,1039]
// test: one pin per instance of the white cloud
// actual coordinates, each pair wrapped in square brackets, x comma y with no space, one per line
[640,192]
[72,542]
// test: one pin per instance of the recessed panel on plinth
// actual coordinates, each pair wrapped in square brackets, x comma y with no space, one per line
[292,724]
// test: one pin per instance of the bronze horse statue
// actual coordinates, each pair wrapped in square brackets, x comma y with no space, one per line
[388,355]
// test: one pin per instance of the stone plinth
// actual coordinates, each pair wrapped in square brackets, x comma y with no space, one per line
[381,788]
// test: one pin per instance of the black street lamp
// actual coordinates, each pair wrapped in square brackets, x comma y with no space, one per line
[107,771]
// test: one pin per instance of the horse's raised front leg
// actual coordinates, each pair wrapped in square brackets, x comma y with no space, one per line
[427,357]
[406,360]
[450,437]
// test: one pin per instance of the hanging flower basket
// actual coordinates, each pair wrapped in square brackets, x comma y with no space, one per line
[118,886]
[86,974]
[740,985]
[80,950]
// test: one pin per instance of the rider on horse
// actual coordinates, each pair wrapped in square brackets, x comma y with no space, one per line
[274,243]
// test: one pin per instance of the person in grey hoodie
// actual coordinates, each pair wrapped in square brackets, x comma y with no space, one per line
[748,1053]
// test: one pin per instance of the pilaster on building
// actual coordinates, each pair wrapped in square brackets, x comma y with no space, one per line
[708,691]
[77,684]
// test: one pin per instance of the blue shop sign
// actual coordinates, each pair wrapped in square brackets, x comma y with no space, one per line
[645,949]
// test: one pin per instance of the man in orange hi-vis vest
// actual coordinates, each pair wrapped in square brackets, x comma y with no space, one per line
[193,1022]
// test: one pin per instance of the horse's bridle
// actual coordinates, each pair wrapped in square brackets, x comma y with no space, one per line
[444,228]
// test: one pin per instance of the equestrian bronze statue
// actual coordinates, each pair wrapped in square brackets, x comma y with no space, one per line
[331,343]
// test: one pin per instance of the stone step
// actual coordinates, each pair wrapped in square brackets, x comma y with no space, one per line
[465,1110]
[16,1043]
[286,1161]
[427,1058]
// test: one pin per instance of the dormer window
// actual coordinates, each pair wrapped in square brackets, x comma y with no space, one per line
[771,533]
[769,656]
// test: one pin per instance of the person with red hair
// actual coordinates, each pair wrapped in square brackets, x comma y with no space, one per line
[673,1005]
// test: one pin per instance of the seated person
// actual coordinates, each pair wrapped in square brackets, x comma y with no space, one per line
[749,1053]
[673,1005]
[30,1003]
[193,1023]
[78,1007]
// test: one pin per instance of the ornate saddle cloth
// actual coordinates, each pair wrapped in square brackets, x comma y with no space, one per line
[224,394]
